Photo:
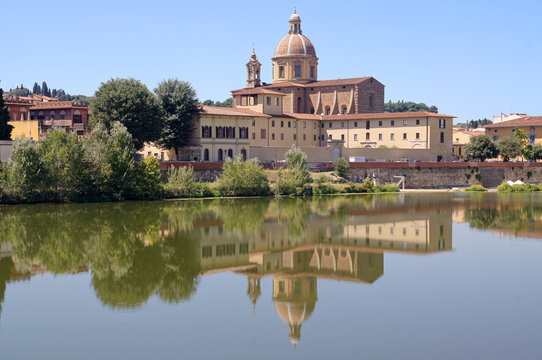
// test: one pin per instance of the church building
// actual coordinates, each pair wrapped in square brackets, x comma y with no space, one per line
[327,119]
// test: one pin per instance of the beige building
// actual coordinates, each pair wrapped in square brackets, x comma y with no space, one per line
[327,119]
[530,125]
[461,137]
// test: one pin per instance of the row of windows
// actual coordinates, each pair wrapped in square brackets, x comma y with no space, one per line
[392,136]
[224,250]
[268,100]
[224,132]
[297,71]
[223,153]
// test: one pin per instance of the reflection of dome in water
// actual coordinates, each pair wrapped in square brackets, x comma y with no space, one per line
[295,300]
[294,314]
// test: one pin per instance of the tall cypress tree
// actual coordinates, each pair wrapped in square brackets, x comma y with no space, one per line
[5,128]
[36,89]
[44,89]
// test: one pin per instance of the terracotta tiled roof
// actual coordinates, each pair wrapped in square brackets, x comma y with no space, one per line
[295,45]
[369,116]
[226,111]
[337,82]
[523,122]
[257,90]
[58,105]
[9,101]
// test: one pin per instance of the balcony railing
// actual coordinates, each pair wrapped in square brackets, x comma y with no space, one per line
[63,123]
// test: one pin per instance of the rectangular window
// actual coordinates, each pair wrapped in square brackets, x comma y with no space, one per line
[330,137]
[230,249]
[328,110]
[220,249]
[417,121]
[392,123]
[253,136]
[380,123]
[323,125]
[262,134]
[295,137]
[312,72]
[281,123]
[268,99]
[442,138]
[404,136]
[392,136]
[273,136]
[297,70]
[342,136]
[281,71]
[282,136]
[277,101]
[304,124]
[314,125]
[417,136]
[314,137]
[289,124]
[295,125]
[355,124]
[243,248]
[330,125]
[344,109]
[442,123]
[355,137]
[342,124]
[272,123]
[367,125]
[206,251]
[367,136]
[304,137]
[380,137]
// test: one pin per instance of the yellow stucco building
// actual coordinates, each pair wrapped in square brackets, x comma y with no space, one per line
[530,125]
[327,119]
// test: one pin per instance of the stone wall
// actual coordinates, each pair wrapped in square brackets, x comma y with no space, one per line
[417,175]
[5,150]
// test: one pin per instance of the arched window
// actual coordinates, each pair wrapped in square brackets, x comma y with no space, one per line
[220,155]
[23,113]
[230,153]
[299,103]
[77,118]
[62,115]
[41,115]
[52,115]
[206,155]
[243,154]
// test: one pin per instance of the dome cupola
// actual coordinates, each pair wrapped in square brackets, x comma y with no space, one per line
[295,58]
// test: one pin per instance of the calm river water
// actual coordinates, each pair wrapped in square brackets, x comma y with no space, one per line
[399,276]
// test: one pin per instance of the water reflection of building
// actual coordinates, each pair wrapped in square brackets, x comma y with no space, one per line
[297,254]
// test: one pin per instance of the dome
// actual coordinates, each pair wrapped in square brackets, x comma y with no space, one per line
[295,17]
[295,44]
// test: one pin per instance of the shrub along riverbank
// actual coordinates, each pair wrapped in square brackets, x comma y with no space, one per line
[62,168]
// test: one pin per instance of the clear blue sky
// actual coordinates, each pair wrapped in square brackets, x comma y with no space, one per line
[472,59]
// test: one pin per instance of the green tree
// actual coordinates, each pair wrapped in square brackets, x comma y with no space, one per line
[295,158]
[110,155]
[533,152]
[149,181]
[65,175]
[5,128]
[23,178]
[179,104]
[242,178]
[36,89]
[341,166]
[45,89]
[129,102]
[481,148]
[508,147]
[409,106]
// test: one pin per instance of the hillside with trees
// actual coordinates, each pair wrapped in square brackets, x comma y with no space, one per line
[226,103]
[474,124]
[44,90]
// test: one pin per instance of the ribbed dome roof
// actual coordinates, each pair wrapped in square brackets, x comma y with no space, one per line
[295,44]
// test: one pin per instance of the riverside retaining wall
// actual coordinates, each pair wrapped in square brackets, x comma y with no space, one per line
[417,175]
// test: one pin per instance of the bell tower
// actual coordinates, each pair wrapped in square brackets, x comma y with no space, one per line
[253,71]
